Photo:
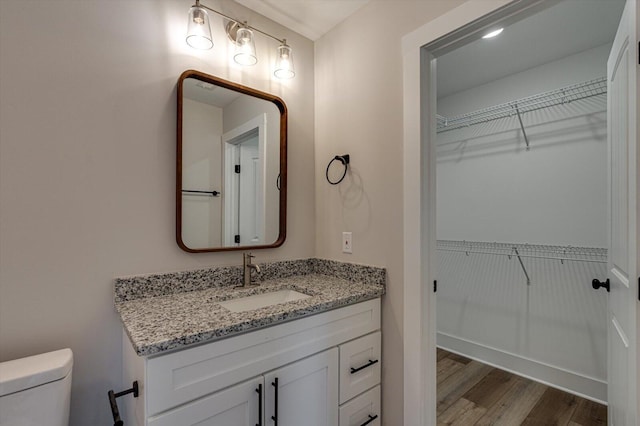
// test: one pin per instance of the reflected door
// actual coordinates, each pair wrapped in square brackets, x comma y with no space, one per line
[250,181]
[244,198]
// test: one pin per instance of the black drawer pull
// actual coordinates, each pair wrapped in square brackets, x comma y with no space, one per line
[371,418]
[275,406]
[369,364]
[259,390]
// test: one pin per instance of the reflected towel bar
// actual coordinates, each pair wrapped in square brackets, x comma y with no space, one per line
[193,192]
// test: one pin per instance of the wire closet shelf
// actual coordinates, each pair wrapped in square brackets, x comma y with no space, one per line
[515,108]
[536,251]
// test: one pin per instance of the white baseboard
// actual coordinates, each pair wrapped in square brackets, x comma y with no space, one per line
[565,380]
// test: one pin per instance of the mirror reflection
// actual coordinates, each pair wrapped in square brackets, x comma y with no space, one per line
[231,159]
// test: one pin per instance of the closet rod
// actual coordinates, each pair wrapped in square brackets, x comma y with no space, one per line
[548,99]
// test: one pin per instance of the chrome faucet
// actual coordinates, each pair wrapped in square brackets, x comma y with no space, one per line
[247,266]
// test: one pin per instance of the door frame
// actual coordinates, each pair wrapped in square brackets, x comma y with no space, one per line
[419,50]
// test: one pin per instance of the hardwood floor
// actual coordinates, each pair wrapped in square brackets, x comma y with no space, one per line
[471,393]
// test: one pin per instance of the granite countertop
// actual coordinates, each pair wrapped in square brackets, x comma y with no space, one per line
[178,318]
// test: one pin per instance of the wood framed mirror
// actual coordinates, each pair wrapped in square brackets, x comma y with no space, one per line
[231,169]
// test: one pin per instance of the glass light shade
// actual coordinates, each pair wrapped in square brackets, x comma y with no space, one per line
[284,63]
[199,31]
[245,52]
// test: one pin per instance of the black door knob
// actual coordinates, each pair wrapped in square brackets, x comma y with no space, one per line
[597,284]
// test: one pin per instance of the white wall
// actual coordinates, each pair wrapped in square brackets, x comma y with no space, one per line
[491,189]
[201,171]
[359,112]
[87,168]
[553,330]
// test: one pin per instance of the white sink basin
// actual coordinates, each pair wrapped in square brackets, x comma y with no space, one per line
[258,301]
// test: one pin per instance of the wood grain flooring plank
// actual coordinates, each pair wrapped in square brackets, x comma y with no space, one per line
[459,358]
[462,413]
[470,417]
[589,413]
[554,408]
[453,387]
[478,395]
[515,404]
[491,388]
[441,354]
[449,415]
[446,367]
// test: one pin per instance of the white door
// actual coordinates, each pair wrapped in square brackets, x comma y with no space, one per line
[249,202]
[622,75]
[304,393]
[236,406]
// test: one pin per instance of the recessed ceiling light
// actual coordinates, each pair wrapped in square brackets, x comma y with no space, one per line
[493,34]
[206,86]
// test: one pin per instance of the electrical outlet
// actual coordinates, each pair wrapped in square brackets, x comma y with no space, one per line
[346,242]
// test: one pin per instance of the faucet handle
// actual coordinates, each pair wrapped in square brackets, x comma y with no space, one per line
[246,258]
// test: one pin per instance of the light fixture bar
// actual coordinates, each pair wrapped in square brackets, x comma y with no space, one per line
[242,24]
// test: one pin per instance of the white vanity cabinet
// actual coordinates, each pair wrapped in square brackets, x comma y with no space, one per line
[237,380]
[302,393]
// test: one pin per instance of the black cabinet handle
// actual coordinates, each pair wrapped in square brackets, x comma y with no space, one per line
[596,284]
[275,406]
[371,418]
[259,390]
[369,364]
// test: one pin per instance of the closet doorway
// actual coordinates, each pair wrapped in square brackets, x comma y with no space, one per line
[515,266]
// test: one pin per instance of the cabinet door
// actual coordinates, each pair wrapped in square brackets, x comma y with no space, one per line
[304,393]
[237,406]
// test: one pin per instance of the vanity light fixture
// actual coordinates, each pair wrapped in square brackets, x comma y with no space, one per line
[284,62]
[241,34]
[199,31]
[245,48]
[493,34]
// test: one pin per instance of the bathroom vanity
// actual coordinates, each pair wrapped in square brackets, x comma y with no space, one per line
[313,360]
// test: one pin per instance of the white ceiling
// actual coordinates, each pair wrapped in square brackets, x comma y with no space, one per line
[569,27]
[311,18]
[208,93]
[566,28]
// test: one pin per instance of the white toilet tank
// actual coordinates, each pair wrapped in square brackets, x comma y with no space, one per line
[36,391]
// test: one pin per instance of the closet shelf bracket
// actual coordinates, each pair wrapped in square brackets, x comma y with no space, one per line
[524,133]
[526,274]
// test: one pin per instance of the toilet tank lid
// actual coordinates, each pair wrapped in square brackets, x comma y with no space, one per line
[24,373]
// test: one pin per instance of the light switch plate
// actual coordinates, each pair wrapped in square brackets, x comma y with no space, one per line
[347,246]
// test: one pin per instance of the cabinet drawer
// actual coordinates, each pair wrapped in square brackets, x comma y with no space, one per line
[363,410]
[359,366]
[179,377]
